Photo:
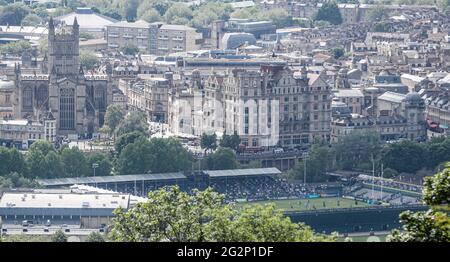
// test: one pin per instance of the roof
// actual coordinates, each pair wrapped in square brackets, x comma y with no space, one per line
[392,97]
[86,19]
[110,179]
[243,172]
[412,77]
[349,93]
[137,24]
[64,200]
[242,4]
[176,27]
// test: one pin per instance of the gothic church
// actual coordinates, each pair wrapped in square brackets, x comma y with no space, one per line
[77,100]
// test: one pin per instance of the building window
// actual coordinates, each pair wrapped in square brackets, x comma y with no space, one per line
[27,98]
[67,109]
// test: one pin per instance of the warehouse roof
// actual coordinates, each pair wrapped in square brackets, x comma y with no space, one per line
[110,179]
[243,172]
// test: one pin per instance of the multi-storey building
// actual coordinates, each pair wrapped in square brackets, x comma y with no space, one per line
[125,33]
[166,39]
[267,107]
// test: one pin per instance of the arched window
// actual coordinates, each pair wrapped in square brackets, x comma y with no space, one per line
[27,98]
[41,95]
[67,109]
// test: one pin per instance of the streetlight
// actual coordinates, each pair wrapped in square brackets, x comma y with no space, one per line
[94,166]
[305,156]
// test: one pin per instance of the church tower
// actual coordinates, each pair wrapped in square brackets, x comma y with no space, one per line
[63,48]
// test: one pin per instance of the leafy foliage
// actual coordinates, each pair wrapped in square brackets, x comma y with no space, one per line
[208,142]
[158,155]
[59,236]
[88,59]
[432,225]
[222,158]
[173,215]
[329,12]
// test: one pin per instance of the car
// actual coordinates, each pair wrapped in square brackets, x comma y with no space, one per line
[48,223]
[64,225]
[67,230]
[25,230]
[278,150]
[46,229]
[25,223]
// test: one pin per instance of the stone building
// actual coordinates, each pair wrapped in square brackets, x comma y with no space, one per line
[77,101]
[272,106]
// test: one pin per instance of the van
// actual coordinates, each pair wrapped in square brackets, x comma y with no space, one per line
[25,223]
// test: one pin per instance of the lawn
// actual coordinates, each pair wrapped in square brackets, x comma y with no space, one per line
[311,204]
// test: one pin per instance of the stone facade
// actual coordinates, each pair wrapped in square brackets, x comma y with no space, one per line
[77,101]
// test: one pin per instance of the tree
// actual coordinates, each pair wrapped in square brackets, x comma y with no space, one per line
[338,52]
[86,35]
[158,155]
[15,48]
[129,50]
[177,12]
[31,20]
[74,162]
[88,59]
[150,16]
[231,141]
[36,159]
[11,160]
[54,166]
[221,159]
[208,13]
[244,13]
[131,10]
[432,225]
[126,139]
[114,115]
[134,158]
[319,161]
[13,14]
[405,156]
[329,12]
[174,215]
[134,121]
[278,16]
[95,237]
[103,162]
[352,150]
[59,236]
[208,142]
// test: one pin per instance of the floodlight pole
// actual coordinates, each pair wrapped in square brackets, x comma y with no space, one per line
[94,166]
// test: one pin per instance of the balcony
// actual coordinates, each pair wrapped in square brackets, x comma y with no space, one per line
[113,35]
[177,38]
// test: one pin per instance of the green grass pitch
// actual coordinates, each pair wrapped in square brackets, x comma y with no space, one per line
[314,204]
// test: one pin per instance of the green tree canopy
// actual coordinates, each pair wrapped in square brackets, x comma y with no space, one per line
[329,12]
[127,138]
[95,237]
[15,48]
[231,141]
[129,49]
[208,142]
[134,121]
[59,236]
[432,225]
[114,115]
[88,59]
[221,159]
[157,155]
[174,215]
[178,13]
[103,162]
[74,162]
